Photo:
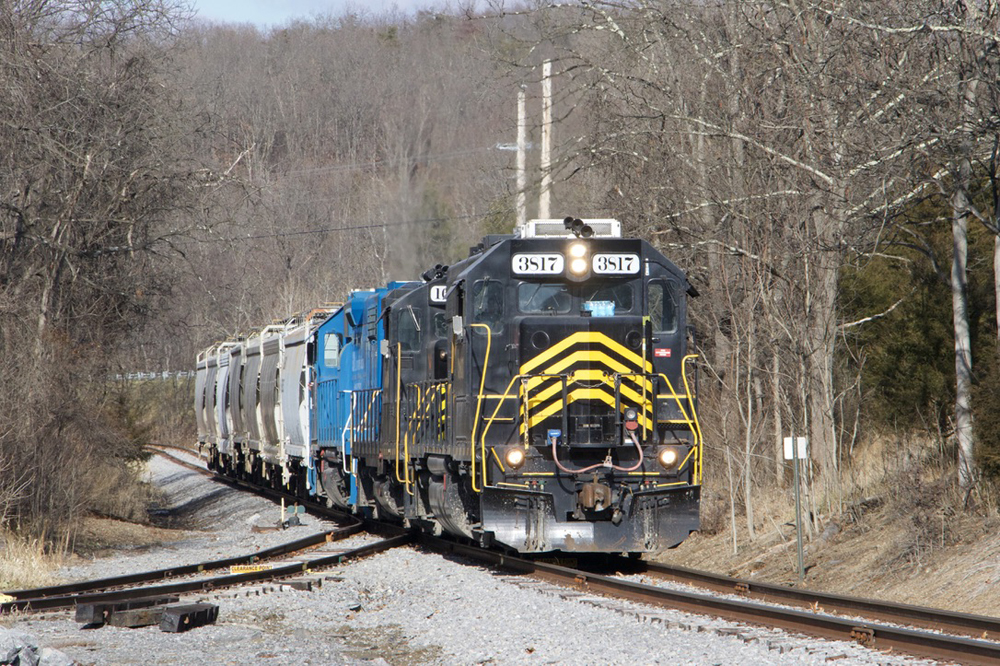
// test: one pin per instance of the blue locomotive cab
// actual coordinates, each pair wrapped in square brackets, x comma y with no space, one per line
[337,342]
[347,394]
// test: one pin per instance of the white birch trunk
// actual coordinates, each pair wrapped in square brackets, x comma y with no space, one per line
[963,349]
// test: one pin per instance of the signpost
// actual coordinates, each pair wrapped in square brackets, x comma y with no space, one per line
[797,448]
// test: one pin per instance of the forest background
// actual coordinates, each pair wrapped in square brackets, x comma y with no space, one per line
[826,172]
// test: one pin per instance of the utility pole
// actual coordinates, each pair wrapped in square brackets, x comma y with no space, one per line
[522,213]
[543,196]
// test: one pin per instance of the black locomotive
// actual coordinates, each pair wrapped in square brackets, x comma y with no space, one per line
[538,395]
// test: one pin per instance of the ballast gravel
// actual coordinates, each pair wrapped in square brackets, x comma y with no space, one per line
[402,607]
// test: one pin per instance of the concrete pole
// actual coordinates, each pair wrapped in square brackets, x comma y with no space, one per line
[544,195]
[522,213]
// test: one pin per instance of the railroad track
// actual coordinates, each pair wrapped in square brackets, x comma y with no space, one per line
[963,624]
[43,599]
[871,622]
[39,598]
[150,583]
[872,634]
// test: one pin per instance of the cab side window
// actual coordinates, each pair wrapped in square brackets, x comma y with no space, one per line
[331,350]
[408,329]
[662,304]
[488,304]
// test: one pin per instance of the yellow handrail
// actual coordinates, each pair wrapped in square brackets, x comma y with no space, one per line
[489,421]
[697,424]
[424,404]
[677,398]
[527,412]
[479,402]
[399,411]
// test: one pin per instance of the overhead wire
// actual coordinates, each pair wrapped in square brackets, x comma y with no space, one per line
[358,227]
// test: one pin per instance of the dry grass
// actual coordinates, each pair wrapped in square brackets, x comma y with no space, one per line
[897,528]
[25,564]
[121,493]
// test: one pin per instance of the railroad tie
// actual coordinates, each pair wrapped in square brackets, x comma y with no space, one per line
[183,617]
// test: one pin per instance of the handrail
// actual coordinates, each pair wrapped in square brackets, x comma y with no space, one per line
[691,420]
[368,409]
[527,413]
[677,398]
[343,435]
[697,424]
[489,421]
[399,404]
[423,403]
[479,402]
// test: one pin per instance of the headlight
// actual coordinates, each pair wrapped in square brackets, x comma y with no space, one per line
[578,266]
[514,457]
[577,250]
[669,456]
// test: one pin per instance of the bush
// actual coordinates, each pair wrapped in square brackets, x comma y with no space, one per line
[986,407]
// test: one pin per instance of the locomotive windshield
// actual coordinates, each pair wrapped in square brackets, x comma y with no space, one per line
[534,298]
[558,298]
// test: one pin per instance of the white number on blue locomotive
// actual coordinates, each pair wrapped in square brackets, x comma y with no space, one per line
[616,264]
[439,293]
[537,264]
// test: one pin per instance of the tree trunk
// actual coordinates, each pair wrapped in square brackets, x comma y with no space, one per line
[748,438]
[963,349]
[779,457]
[996,277]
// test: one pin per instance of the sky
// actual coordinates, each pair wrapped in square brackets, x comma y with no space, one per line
[267,13]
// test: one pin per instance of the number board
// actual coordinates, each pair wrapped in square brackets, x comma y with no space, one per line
[439,293]
[616,264]
[537,264]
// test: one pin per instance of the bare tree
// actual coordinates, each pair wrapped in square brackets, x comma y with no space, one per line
[764,144]
[93,174]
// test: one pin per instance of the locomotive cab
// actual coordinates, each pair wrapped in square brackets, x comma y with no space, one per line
[570,391]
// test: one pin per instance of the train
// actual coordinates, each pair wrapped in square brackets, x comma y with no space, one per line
[538,396]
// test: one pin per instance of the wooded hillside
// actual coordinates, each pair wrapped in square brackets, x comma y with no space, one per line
[825,171]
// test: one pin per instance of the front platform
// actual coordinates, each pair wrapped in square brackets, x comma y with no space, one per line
[652,520]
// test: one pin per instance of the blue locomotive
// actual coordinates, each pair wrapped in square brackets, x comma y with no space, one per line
[538,396]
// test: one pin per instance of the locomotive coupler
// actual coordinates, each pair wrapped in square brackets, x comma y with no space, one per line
[594,496]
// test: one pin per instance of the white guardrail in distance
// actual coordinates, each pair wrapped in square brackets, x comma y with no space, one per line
[166,374]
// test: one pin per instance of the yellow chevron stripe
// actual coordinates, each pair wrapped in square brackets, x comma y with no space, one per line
[628,354]
[575,376]
[589,356]
[583,394]
[594,375]
[588,337]
[585,375]
[554,350]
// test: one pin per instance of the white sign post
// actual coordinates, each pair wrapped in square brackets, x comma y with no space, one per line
[797,448]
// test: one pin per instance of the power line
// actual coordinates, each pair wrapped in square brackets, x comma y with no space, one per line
[359,227]
[333,168]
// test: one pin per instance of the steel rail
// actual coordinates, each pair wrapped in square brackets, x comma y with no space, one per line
[876,636]
[270,493]
[188,569]
[206,584]
[31,598]
[870,634]
[965,624]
